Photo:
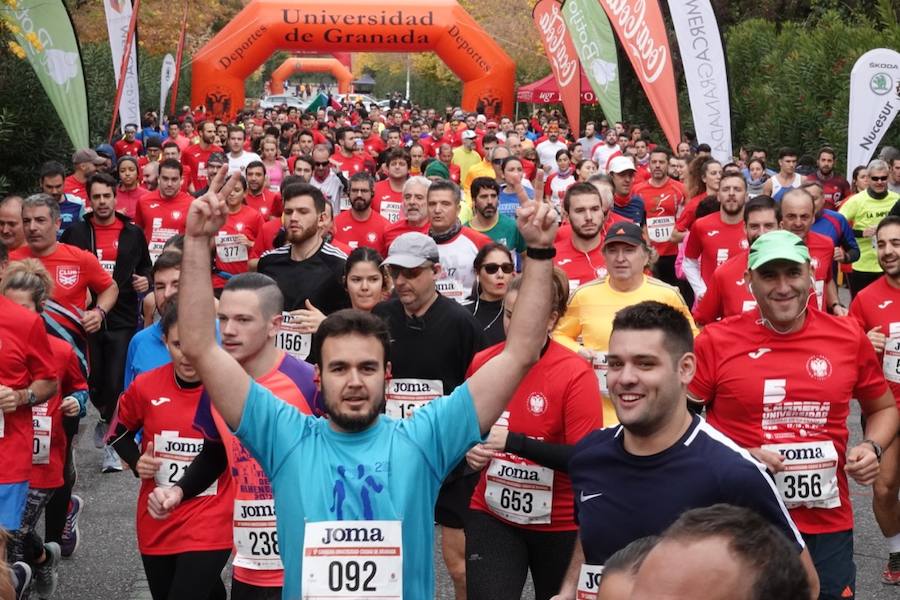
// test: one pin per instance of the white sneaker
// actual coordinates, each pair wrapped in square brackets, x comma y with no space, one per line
[111,461]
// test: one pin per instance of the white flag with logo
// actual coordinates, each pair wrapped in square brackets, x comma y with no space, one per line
[118,19]
[700,45]
[166,78]
[874,102]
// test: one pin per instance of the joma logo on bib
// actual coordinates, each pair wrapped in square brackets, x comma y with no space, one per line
[514,473]
[183,447]
[250,512]
[405,386]
[352,534]
[802,453]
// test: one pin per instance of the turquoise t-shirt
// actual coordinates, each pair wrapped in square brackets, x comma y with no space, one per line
[391,471]
[508,201]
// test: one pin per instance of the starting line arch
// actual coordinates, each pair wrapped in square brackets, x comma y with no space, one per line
[264,26]
[312,65]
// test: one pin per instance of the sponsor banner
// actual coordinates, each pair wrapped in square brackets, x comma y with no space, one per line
[592,36]
[874,102]
[642,32]
[703,60]
[45,33]
[118,20]
[166,78]
[563,58]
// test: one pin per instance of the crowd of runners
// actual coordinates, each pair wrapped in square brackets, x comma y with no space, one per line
[623,369]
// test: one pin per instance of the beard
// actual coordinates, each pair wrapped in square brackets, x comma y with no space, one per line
[357,422]
[361,205]
[301,236]
[487,212]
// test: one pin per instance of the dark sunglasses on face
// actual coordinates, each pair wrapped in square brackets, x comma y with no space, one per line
[406,272]
[321,164]
[498,161]
[491,268]
[873,178]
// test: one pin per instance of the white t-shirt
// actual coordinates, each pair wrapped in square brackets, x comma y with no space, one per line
[240,163]
[547,150]
[602,154]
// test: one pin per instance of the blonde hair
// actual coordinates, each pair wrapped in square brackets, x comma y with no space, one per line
[28,275]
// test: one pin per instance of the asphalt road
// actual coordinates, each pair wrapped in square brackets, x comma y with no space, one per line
[107,565]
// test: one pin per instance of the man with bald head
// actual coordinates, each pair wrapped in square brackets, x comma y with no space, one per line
[11,233]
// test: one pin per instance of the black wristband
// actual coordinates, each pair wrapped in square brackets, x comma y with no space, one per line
[540,253]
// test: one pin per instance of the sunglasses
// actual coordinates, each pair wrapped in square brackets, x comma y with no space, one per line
[872,178]
[498,161]
[491,268]
[407,273]
[321,164]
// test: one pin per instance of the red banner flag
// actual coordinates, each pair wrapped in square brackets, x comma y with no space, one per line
[640,28]
[563,58]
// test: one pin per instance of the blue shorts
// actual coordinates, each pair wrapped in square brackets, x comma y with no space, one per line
[832,554]
[12,504]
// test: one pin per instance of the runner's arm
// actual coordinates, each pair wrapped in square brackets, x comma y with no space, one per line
[122,441]
[553,456]
[691,267]
[223,378]
[204,470]
[493,385]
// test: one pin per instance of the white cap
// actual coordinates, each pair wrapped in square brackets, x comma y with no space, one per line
[468,134]
[620,164]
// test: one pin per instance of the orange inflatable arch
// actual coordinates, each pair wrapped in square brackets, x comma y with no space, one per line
[265,26]
[312,65]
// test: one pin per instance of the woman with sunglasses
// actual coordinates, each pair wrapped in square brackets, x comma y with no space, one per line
[494,269]
[522,516]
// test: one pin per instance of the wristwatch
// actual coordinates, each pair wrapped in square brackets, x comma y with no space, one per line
[30,397]
[876,447]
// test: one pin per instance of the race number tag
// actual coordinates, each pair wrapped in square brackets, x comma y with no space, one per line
[404,396]
[43,427]
[721,256]
[451,288]
[291,340]
[255,535]
[362,560]
[229,249]
[589,582]
[177,453]
[518,491]
[810,474]
[158,238]
[390,211]
[108,265]
[660,228]
[891,360]
[601,368]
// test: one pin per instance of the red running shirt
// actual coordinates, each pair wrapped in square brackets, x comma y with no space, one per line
[232,255]
[662,205]
[155,402]
[255,563]
[27,357]
[387,202]
[161,218]
[369,233]
[580,267]
[557,402]
[107,243]
[268,204]
[714,242]
[48,453]
[402,226]
[878,305]
[791,394]
[74,272]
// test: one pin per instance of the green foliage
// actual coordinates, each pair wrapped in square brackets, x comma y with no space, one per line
[790,84]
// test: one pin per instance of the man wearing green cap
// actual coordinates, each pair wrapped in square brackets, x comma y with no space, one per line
[778,381]
[437,170]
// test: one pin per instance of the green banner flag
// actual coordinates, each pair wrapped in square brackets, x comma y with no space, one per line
[320,101]
[46,37]
[592,36]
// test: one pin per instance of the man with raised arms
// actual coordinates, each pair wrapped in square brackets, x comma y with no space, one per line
[369,522]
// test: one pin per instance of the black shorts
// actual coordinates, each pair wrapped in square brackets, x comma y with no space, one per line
[832,555]
[452,505]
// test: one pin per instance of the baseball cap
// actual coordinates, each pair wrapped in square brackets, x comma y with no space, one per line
[491,124]
[481,118]
[86,155]
[436,168]
[457,116]
[777,245]
[468,134]
[620,164]
[628,233]
[411,250]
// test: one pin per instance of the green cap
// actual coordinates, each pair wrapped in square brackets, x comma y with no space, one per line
[777,245]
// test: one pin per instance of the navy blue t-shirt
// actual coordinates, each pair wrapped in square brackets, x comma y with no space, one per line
[634,210]
[620,497]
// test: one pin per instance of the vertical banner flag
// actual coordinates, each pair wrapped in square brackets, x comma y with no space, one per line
[45,33]
[593,38]
[703,59]
[166,78]
[118,20]
[874,102]
[563,58]
[639,25]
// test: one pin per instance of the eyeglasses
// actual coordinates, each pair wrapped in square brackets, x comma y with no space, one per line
[360,191]
[321,164]
[873,178]
[406,272]
[497,161]
[491,268]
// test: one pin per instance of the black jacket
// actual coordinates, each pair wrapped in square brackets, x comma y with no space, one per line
[133,259]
